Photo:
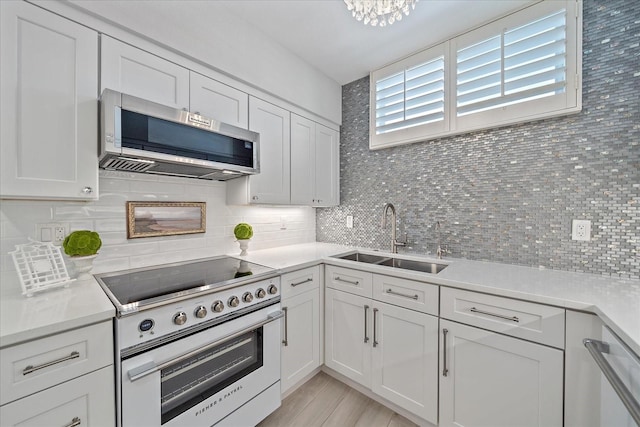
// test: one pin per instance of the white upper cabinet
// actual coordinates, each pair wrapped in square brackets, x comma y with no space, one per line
[315,171]
[218,101]
[273,184]
[133,71]
[327,167]
[49,118]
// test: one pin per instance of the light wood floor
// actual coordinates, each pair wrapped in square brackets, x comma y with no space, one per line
[325,401]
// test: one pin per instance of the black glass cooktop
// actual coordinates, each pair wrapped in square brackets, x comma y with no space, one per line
[136,286]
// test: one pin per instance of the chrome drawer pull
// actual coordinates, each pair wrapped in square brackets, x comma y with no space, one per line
[338,279]
[392,292]
[366,338]
[597,348]
[74,422]
[375,335]
[285,341]
[29,369]
[445,370]
[475,310]
[310,279]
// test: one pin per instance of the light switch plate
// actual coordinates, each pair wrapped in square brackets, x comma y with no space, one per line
[54,232]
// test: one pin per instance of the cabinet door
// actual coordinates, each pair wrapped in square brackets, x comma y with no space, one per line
[405,359]
[218,101]
[327,167]
[135,72]
[301,337]
[85,401]
[495,380]
[303,137]
[273,183]
[49,118]
[348,335]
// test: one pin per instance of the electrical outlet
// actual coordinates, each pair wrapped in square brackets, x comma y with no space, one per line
[349,221]
[581,229]
[54,232]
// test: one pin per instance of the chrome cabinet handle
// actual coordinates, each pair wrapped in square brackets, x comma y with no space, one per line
[87,190]
[74,422]
[285,341]
[375,338]
[366,338]
[339,279]
[597,348]
[310,279]
[30,368]
[392,292]
[150,367]
[445,370]
[513,319]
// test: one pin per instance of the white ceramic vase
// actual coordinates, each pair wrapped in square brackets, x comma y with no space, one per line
[83,266]
[244,245]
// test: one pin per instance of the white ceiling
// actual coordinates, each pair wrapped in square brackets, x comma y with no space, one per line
[323,32]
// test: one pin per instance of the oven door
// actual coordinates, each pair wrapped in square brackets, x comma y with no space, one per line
[200,379]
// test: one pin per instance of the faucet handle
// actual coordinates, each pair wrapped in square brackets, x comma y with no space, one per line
[402,242]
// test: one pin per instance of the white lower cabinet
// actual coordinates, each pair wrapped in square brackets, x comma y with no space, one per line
[487,379]
[301,304]
[389,349]
[301,340]
[84,401]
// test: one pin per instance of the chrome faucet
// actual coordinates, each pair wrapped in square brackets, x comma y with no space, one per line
[394,242]
[440,251]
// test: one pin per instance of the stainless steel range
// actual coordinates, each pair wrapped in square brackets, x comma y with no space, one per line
[198,343]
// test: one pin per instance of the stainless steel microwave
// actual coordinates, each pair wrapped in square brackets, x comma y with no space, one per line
[142,136]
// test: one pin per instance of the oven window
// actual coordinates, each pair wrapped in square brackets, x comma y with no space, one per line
[195,379]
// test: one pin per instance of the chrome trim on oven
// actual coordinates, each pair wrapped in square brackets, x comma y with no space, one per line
[128,352]
[150,368]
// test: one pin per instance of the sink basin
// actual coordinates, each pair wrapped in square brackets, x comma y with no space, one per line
[405,264]
[360,257]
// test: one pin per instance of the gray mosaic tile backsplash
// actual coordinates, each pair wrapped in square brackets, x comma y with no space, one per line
[509,195]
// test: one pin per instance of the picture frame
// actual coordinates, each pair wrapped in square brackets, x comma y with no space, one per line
[153,219]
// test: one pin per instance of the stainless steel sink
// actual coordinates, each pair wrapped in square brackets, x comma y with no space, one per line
[360,257]
[405,264]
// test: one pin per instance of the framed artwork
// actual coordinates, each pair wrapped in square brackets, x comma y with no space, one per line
[151,219]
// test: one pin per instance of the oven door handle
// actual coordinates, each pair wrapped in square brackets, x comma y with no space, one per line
[150,367]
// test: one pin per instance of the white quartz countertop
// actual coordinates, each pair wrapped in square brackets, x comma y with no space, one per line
[53,311]
[615,301]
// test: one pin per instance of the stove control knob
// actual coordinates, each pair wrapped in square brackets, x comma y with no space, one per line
[180,318]
[217,306]
[247,297]
[233,301]
[272,289]
[260,293]
[200,312]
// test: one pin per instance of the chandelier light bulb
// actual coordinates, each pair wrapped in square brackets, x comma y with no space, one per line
[380,12]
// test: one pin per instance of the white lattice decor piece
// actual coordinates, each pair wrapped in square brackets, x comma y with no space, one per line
[40,266]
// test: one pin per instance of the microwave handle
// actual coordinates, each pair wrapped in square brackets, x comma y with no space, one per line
[150,367]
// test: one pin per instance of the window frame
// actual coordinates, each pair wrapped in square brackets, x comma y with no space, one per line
[569,102]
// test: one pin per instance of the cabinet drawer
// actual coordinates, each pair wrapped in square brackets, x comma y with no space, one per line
[530,321]
[85,401]
[35,365]
[300,281]
[348,280]
[406,293]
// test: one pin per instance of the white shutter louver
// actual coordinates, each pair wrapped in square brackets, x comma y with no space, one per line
[522,64]
[411,97]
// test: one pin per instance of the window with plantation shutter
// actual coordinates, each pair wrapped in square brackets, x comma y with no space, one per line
[410,98]
[525,66]
[525,63]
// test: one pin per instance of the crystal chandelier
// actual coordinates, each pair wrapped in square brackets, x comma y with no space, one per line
[380,12]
